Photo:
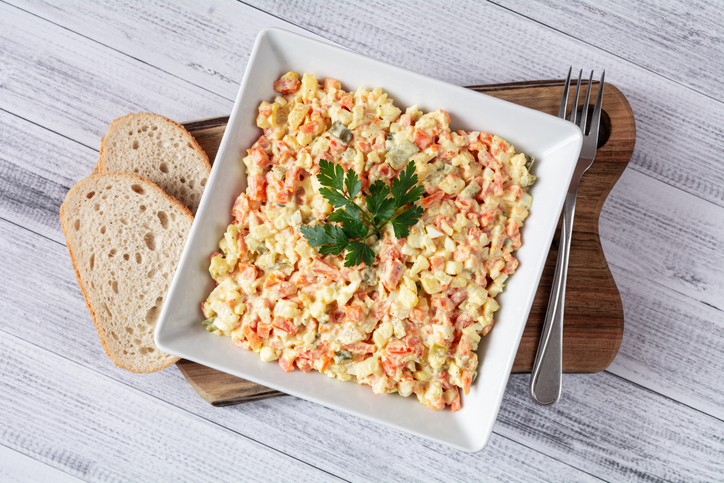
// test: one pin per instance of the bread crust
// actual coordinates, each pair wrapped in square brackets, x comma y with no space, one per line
[85,290]
[101,166]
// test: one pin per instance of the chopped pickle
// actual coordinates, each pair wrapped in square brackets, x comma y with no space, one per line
[209,324]
[343,357]
[341,132]
[398,156]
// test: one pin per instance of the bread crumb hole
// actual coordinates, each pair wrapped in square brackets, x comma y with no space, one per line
[130,133]
[124,221]
[173,216]
[135,170]
[139,258]
[129,330]
[142,351]
[144,128]
[152,315]
[150,241]
[190,145]
[90,195]
[142,207]
[114,335]
[103,230]
[137,188]
[104,196]
[150,134]
[114,286]
[97,206]
[203,182]
[126,257]
[92,261]
[154,128]
[175,145]
[191,183]
[151,273]
[112,253]
[151,350]
[163,218]
[163,167]
[135,144]
[76,224]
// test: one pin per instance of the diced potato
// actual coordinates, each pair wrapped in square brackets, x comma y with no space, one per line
[434,232]
[453,268]
[268,354]
[383,334]
[408,297]
[367,367]
[420,264]
[287,309]
[430,284]
[309,87]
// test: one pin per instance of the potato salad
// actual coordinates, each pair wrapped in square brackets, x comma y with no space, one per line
[411,322]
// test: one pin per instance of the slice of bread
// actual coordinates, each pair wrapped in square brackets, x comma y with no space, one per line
[125,237]
[159,149]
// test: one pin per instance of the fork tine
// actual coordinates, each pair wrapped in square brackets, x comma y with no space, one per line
[596,116]
[574,109]
[564,96]
[584,113]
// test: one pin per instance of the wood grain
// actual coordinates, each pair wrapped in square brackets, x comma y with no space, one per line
[594,315]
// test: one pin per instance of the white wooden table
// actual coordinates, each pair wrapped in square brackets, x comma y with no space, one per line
[657,413]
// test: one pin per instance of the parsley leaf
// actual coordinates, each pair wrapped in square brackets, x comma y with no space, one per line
[358,252]
[404,189]
[405,220]
[355,225]
[331,175]
[352,224]
[353,184]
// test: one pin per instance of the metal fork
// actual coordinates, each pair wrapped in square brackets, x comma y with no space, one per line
[545,380]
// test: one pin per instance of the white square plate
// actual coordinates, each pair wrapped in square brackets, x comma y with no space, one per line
[554,143]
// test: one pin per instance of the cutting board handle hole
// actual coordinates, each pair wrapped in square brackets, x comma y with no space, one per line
[604,131]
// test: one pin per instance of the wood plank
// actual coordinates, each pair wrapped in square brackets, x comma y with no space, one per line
[488,49]
[342,442]
[616,430]
[672,344]
[676,40]
[92,427]
[223,32]
[16,467]
[75,87]
[662,236]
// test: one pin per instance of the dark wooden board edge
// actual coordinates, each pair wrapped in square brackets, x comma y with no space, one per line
[611,160]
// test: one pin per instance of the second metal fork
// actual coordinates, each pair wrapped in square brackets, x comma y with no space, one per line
[545,380]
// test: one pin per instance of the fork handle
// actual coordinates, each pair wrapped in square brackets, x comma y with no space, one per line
[545,381]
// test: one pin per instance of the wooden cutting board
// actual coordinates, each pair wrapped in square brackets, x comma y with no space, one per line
[593,325]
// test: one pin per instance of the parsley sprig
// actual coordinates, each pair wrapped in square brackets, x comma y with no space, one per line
[350,225]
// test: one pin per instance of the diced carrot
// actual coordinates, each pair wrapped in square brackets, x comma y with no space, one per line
[252,337]
[284,324]
[353,312]
[467,379]
[247,272]
[330,83]
[421,139]
[288,84]
[259,157]
[287,363]
[257,188]
[433,198]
